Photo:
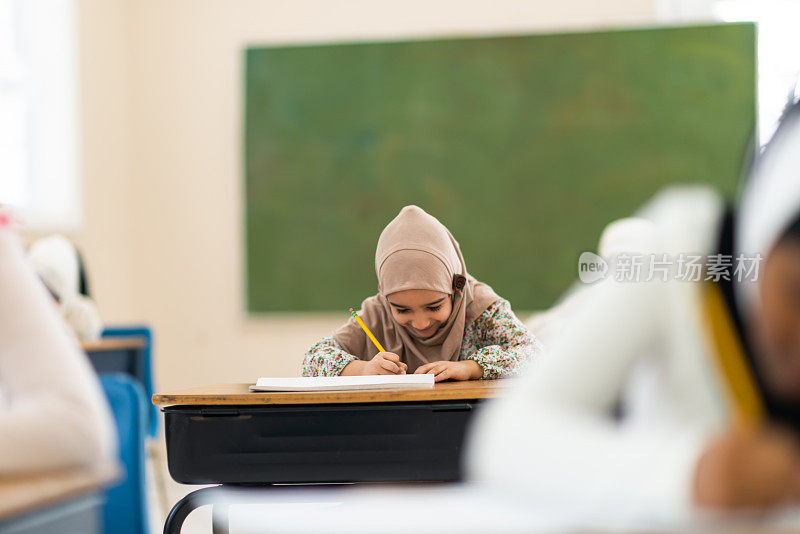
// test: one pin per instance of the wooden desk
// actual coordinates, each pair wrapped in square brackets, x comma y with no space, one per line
[30,502]
[225,394]
[225,434]
[126,355]
[118,355]
[113,343]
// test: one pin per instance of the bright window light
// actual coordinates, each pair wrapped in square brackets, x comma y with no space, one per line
[778,60]
[38,113]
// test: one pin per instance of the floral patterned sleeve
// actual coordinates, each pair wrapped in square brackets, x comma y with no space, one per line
[500,343]
[326,358]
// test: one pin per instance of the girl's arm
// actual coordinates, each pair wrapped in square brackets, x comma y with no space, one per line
[505,345]
[554,437]
[326,358]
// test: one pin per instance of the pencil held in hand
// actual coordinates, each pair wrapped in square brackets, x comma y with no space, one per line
[369,334]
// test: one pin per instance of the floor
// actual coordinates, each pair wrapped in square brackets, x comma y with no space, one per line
[163,493]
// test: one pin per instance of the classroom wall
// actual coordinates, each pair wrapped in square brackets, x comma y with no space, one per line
[162,95]
[106,145]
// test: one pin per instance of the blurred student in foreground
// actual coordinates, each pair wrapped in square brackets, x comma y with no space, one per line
[666,397]
[53,413]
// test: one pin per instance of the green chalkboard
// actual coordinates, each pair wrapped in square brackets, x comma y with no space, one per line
[525,147]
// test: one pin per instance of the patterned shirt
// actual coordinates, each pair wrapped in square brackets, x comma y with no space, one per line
[496,339]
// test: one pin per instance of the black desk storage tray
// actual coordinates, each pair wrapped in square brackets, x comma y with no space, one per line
[381,442]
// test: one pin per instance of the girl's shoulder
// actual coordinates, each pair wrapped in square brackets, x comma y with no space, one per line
[496,309]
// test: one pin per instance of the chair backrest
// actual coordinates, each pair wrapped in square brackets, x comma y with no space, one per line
[153,415]
[125,511]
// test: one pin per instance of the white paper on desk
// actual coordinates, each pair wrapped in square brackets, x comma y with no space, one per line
[336,383]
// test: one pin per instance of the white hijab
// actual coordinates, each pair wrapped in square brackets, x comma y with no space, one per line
[56,261]
[770,201]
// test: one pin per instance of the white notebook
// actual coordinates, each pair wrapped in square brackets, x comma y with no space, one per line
[333,383]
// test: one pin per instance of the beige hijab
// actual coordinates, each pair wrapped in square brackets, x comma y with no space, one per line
[416,251]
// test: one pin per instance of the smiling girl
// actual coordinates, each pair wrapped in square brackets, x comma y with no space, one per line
[430,315]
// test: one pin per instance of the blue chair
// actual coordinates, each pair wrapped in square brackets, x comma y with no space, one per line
[144,368]
[125,511]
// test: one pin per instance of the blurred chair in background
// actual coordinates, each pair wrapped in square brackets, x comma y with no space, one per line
[125,511]
[137,362]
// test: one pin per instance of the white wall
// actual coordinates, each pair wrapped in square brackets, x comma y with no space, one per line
[162,100]
[106,147]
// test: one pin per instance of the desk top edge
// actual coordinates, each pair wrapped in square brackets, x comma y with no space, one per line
[113,343]
[230,394]
[23,494]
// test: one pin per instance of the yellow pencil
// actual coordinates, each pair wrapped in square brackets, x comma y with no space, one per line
[742,390]
[354,314]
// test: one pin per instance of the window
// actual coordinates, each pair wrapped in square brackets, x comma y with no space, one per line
[778,61]
[38,113]
[778,43]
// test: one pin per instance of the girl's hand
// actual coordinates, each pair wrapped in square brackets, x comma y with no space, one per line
[385,363]
[754,469]
[448,370]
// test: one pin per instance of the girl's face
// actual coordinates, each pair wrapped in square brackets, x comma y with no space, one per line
[777,327]
[422,311]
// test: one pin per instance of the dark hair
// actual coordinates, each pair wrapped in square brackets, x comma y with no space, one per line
[83,284]
[792,230]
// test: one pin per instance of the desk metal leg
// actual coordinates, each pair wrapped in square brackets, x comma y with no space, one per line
[219,519]
[220,512]
[183,508]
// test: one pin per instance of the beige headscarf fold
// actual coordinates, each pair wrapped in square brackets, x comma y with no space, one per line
[416,251]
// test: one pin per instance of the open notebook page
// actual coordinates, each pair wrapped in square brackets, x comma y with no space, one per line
[332,383]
